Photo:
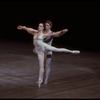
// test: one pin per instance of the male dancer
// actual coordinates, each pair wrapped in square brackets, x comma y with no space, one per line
[48,55]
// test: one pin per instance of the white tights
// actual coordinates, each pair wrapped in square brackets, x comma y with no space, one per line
[41,60]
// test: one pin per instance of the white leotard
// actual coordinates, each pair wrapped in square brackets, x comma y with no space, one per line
[40,46]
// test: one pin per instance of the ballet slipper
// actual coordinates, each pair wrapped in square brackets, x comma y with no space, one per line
[39,83]
[75,51]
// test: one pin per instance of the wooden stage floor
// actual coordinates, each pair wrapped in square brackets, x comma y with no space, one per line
[72,76]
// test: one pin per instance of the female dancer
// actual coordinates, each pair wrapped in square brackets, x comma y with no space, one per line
[41,47]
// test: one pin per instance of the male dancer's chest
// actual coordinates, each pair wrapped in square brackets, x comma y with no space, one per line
[48,39]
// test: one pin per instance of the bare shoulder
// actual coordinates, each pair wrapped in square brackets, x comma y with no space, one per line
[36,32]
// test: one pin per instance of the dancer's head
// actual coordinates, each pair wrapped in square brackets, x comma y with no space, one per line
[41,27]
[48,25]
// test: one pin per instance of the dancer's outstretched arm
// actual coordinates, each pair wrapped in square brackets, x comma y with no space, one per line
[29,30]
[56,34]
[60,33]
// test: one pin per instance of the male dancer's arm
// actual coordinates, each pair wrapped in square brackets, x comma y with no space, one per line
[56,34]
[60,33]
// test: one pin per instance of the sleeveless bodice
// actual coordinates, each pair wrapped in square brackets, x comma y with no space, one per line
[40,46]
[38,37]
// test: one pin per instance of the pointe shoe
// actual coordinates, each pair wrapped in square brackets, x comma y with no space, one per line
[75,51]
[39,83]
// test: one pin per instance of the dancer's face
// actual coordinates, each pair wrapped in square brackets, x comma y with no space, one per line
[40,27]
[47,26]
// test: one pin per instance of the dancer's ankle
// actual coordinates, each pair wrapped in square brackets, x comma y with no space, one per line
[39,83]
[45,82]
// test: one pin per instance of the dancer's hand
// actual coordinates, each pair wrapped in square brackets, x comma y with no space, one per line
[65,30]
[21,27]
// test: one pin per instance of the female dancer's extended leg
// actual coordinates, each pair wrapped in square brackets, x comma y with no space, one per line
[51,48]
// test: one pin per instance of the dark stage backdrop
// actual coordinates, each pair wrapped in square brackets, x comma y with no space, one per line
[81,17]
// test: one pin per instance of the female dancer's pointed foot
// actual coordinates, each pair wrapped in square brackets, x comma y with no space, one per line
[75,51]
[39,83]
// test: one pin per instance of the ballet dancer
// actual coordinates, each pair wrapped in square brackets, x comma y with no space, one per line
[48,54]
[41,47]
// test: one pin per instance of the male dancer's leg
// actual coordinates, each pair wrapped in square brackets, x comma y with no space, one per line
[47,66]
